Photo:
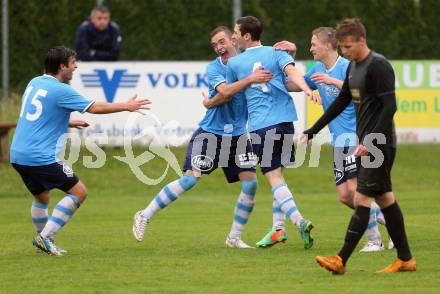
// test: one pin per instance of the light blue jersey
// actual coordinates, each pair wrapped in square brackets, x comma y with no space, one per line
[229,118]
[44,118]
[345,123]
[268,103]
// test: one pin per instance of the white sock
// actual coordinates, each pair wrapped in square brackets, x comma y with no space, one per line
[39,213]
[61,214]
[284,197]
[372,232]
[278,217]
[243,208]
[169,194]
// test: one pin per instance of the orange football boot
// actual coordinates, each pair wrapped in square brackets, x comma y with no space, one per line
[333,264]
[400,266]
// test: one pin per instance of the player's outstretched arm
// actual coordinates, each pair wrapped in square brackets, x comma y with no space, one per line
[131,105]
[226,91]
[260,75]
[338,105]
[78,124]
[298,79]
[292,87]
[217,100]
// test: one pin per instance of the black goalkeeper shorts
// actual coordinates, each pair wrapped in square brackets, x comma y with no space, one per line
[375,179]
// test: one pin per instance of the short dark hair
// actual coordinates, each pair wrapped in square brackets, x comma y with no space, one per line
[100,8]
[251,25]
[326,34]
[218,30]
[55,57]
[351,27]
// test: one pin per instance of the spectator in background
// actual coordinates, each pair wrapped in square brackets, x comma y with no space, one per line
[98,39]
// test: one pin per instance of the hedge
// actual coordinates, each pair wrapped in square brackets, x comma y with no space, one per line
[179,29]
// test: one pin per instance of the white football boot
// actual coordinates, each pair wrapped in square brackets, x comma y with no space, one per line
[58,248]
[372,246]
[237,243]
[45,245]
[139,225]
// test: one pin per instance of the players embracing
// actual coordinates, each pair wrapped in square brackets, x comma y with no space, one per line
[220,141]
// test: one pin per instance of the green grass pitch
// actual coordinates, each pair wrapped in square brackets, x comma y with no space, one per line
[184,251]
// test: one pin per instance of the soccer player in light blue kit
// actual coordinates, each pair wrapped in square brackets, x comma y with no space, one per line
[44,120]
[327,76]
[271,113]
[217,144]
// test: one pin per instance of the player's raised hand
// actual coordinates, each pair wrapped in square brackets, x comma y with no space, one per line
[260,75]
[78,124]
[286,46]
[134,104]
[360,150]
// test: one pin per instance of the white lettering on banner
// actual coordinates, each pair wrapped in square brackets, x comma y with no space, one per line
[416,79]
[415,75]
[164,132]
[434,76]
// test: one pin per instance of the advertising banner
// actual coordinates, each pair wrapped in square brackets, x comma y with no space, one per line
[418,101]
[173,87]
[175,91]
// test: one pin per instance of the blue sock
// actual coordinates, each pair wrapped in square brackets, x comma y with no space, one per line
[283,196]
[39,213]
[278,217]
[61,214]
[243,208]
[169,194]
